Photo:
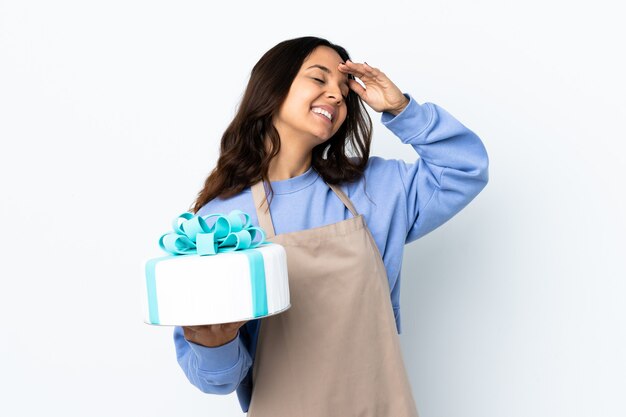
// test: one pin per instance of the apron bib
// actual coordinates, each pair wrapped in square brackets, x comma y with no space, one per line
[336,351]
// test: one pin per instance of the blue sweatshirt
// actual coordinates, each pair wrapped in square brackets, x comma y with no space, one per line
[401,202]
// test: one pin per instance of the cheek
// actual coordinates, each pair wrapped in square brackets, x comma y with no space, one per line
[344,115]
[301,91]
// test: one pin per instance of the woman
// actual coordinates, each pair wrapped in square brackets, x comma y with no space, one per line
[296,158]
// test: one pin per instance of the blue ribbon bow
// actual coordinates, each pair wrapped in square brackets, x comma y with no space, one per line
[192,234]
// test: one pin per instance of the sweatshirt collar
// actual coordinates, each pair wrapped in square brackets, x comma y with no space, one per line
[294,184]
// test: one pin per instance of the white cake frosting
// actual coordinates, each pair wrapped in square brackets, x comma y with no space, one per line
[222,288]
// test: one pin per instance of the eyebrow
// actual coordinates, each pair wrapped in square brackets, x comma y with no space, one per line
[323,68]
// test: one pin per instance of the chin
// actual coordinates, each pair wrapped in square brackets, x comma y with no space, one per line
[322,139]
[324,135]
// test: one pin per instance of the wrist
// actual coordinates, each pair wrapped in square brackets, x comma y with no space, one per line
[397,110]
[213,342]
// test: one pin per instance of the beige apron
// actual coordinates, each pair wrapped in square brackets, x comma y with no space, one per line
[336,351]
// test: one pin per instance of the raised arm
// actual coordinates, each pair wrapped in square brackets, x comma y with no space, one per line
[453,164]
[451,171]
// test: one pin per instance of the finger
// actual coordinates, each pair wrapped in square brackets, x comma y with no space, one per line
[233,325]
[191,329]
[357,88]
[363,71]
[188,333]
[358,70]
[372,72]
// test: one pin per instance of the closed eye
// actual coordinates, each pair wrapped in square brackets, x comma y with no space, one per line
[322,82]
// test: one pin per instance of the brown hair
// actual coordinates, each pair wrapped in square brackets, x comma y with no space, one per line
[244,159]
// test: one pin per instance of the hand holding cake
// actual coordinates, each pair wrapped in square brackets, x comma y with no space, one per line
[212,335]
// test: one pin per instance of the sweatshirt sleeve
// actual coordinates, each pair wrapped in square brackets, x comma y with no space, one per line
[451,171]
[216,370]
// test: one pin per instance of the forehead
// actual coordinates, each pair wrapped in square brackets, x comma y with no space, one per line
[325,59]
[324,54]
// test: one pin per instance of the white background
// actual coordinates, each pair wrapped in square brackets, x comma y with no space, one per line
[110,119]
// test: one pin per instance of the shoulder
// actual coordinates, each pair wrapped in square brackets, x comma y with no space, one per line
[381,179]
[239,201]
[377,165]
[379,170]
[381,166]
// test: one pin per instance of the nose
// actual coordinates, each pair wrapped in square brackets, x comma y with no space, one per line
[335,93]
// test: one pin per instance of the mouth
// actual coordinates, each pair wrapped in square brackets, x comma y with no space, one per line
[323,113]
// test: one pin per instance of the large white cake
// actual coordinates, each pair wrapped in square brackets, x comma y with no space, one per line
[227,287]
[217,273]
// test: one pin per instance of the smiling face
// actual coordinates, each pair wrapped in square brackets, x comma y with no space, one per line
[315,106]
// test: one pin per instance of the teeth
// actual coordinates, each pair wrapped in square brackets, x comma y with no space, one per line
[323,112]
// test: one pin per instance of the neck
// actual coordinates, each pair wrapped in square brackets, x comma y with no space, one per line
[290,162]
[286,165]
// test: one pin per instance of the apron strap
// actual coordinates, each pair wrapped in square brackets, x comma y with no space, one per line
[265,219]
[260,200]
[344,198]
